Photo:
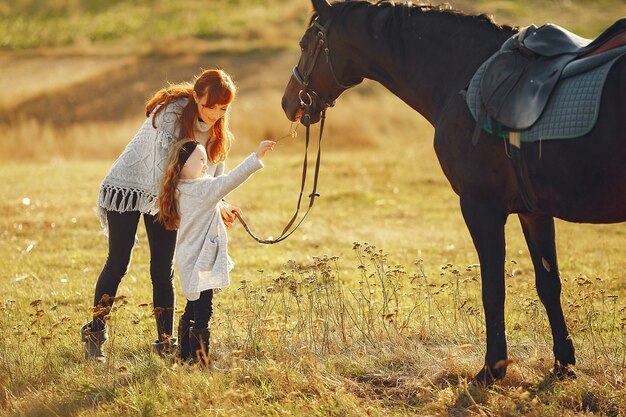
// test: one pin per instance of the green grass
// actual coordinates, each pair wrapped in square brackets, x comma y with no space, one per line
[36,24]
[393,326]
[246,25]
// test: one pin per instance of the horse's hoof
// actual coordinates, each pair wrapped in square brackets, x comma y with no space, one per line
[484,377]
[487,376]
[563,372]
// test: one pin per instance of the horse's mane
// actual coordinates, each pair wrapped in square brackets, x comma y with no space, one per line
[442,8]
[388,20]
[343,7]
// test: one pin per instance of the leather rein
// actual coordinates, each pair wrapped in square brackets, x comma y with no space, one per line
[306,92]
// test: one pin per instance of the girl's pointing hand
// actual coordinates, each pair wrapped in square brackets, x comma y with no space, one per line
[264,147]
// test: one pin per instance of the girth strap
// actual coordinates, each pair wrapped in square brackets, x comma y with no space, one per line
[521,173]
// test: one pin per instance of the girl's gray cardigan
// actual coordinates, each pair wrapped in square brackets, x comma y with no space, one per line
[202,244]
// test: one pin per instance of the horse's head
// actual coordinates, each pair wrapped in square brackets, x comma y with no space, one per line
[314,85]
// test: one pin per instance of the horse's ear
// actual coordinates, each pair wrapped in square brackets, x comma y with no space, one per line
[322,8]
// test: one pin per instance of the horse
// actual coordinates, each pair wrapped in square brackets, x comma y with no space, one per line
[426,55]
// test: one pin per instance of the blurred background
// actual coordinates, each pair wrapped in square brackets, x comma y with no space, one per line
[74,75]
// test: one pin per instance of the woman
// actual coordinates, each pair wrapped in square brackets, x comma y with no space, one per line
[130,189]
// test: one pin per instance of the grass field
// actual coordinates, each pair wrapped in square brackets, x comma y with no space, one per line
[306,334]
[228,24]
[371,308]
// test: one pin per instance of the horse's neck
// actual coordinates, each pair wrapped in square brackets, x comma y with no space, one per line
[423,58]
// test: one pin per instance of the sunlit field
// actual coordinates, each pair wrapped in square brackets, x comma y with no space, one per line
[372,307]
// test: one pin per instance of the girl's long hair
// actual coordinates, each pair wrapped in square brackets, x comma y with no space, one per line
[168,213]
[220,90]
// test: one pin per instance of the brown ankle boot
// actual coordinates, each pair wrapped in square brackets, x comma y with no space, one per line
[93,342]
[165,347]
[165,343]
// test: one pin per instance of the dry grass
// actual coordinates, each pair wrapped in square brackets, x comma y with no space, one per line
[317,324]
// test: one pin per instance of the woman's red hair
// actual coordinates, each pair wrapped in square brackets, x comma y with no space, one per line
[219,89]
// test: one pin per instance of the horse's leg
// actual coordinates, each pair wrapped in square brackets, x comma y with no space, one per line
[486,225]
[539,233]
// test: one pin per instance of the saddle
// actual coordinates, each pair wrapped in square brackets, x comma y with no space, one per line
[543,83]
[519,79]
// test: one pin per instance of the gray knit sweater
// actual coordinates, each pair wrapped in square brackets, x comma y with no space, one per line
[202,244]
[132,183]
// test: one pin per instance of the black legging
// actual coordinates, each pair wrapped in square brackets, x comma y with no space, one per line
[122,230]
[200,310]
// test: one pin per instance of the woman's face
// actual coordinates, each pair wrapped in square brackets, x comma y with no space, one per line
[209,115]
[196,165]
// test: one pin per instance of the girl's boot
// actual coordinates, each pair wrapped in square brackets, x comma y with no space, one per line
[93,342]
[199,346]
[184,350]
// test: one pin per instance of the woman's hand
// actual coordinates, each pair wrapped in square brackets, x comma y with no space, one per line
[264,147]
[228,214]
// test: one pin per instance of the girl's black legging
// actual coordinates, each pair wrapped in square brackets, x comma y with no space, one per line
[122,230]
[200,310]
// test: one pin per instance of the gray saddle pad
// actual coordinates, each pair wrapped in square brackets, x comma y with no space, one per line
[572,109]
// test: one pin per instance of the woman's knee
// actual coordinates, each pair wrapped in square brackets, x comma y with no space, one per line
[117,266]
[162,274]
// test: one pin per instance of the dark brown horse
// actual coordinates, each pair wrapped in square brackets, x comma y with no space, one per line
[425,55]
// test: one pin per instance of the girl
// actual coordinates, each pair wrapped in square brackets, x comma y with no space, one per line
[131,187]
[189,202]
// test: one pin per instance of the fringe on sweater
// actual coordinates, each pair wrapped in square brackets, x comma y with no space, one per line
[122,200]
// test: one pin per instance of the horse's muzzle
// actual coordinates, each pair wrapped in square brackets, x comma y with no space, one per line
[291,108]
[295,112]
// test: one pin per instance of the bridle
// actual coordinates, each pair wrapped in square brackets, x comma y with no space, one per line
[304,80]
[307,92]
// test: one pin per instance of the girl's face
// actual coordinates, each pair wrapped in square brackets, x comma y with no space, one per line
[207,114]
[196,165]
